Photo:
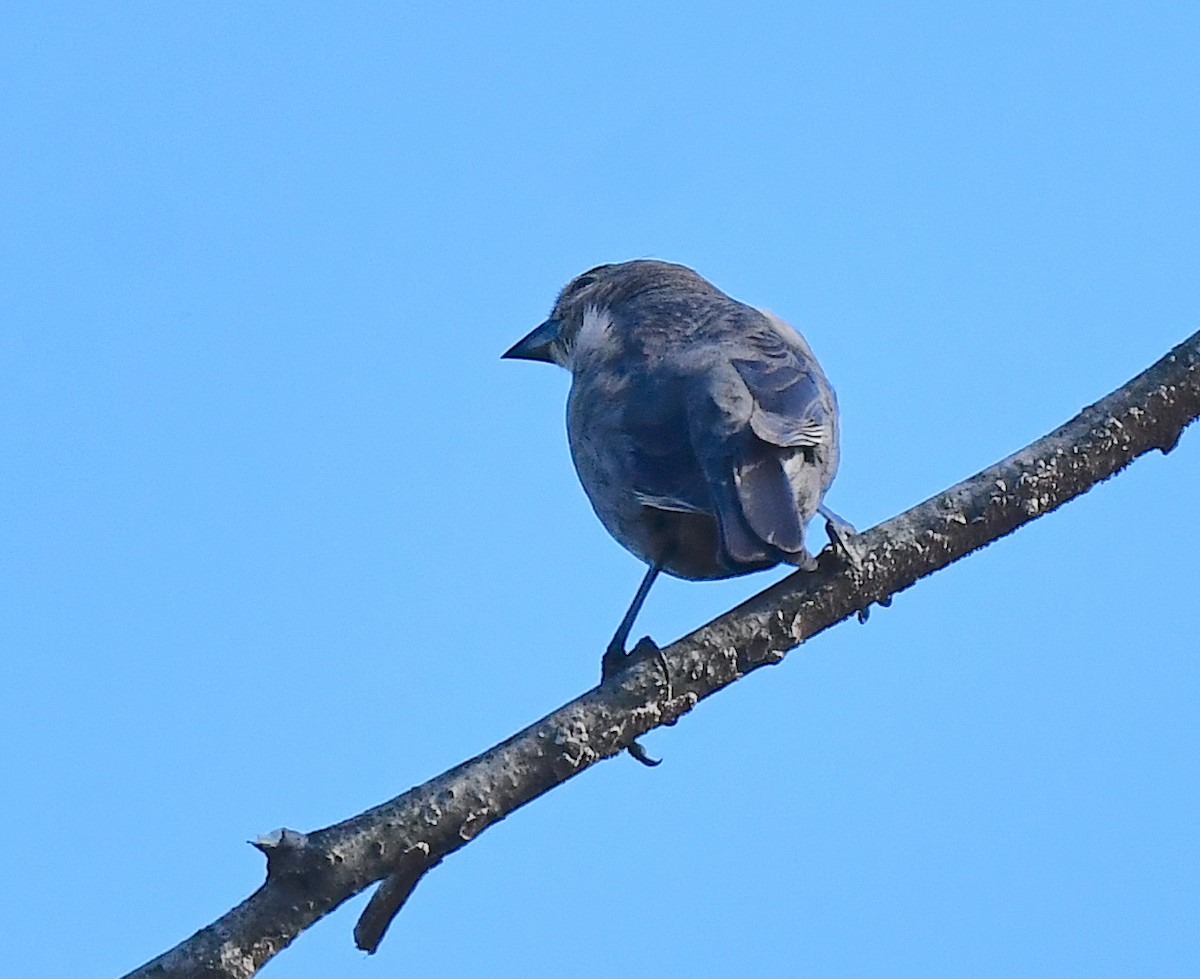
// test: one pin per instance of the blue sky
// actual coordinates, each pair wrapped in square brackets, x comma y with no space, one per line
[281,536]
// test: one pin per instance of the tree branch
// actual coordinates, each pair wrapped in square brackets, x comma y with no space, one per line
[310,875]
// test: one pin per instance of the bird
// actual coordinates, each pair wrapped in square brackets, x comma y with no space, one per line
[703,430]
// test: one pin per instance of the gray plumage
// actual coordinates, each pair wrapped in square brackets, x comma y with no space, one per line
[703,430]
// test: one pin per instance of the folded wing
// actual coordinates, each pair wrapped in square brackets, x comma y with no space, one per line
[768,445]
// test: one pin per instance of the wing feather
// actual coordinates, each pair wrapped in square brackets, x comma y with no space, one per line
[765,434]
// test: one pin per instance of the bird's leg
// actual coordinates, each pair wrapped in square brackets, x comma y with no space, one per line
[615,658]
[841,533]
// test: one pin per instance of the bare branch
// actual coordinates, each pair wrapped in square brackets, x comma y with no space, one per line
[390,896]
[310,875]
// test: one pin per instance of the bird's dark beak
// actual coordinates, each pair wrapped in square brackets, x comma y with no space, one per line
[536,346]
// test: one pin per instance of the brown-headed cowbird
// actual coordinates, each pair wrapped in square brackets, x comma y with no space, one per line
[703,430]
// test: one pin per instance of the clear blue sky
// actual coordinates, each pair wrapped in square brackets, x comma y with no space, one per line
[281,536]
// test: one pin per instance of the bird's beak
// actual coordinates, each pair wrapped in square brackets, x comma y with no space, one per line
[536,346]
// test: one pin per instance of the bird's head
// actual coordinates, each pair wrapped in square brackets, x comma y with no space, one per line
[587,301]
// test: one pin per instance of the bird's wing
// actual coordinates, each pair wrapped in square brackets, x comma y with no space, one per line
[793,406]
[764,432]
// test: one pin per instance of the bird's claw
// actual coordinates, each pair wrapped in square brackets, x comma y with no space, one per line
[638,753]
[842,536]
[614,660]
[865,613]
[617,660]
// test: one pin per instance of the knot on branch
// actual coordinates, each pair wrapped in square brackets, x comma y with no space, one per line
[290,854]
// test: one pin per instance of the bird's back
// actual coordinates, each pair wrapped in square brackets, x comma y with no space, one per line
[703,430]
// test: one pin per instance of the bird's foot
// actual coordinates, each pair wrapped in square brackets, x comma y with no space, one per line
[614,660]
[617,660]
[638,753]
[842,536]
[865,613]
[805,561]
